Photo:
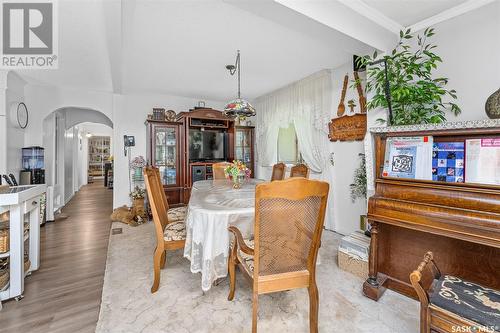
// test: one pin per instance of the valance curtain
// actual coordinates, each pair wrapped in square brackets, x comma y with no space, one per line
[306,104]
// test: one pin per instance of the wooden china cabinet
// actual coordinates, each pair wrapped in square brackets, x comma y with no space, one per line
[165,142]
[244,146]
[168,148]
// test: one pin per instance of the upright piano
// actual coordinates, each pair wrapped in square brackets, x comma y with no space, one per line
[458,222]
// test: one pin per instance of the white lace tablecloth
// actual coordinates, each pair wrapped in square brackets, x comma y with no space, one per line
[213,206]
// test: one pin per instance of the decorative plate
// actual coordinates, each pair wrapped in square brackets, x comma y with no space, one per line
[492,105]
[170,115]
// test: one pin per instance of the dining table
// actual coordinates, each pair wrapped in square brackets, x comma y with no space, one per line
[215,205]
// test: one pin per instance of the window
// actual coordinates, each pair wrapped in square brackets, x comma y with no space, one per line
[288,150]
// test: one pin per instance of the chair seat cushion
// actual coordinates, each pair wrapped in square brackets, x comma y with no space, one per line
[246,259]
[466,299]
[177,214]
[175,231]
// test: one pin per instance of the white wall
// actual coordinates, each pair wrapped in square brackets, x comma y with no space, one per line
[130,113]
[15,135]
[470,48]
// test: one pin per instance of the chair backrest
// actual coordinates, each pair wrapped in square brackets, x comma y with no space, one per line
[158,208]
[160,185]
[289,218]
[299,170]
[278,172]
[218,169]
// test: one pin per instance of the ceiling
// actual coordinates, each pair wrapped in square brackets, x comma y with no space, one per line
[410,12]
[181,47]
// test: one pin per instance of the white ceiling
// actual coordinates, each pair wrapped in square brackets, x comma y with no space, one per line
[409,12]
[181,47]
[83,60]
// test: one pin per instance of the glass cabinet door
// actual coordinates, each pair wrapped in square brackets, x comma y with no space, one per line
[243,145]
[165,154]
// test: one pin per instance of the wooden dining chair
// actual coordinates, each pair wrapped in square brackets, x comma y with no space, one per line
[174,214]
[299,170]
[278,171]
[170,235]
[218,169]
[289,218]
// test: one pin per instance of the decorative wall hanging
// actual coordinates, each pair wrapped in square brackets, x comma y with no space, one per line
[348,128]
[362,98]
[351,104]
[341,107]
[492,105]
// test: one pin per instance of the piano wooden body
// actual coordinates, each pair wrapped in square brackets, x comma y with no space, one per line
[458,222]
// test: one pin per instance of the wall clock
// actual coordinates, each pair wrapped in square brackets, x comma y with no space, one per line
[19,115]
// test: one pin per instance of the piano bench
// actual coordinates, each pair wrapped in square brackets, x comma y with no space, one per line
[451,304]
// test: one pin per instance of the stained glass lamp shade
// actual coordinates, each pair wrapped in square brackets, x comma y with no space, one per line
[239,108]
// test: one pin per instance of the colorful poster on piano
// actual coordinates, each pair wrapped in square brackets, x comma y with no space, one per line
[482,161]
[448,162]
[408,157]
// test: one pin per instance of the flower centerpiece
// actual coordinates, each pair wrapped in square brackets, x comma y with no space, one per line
[137,164]
[237,172]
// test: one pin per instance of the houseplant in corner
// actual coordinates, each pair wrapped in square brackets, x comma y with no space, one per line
[417,97]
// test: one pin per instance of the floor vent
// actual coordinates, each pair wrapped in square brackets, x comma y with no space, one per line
[116,231]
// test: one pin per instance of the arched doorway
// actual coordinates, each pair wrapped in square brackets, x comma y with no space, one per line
[64,142]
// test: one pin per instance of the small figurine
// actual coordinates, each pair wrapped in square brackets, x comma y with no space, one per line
[351,104]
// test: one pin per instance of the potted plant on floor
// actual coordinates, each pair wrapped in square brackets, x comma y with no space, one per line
[416,96]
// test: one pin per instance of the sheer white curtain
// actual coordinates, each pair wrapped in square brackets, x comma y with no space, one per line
[306,104]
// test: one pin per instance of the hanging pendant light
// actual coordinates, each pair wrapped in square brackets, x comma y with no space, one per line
[239,107]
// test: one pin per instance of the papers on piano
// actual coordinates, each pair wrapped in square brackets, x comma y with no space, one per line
[482,161]
[448,162]
[408,157]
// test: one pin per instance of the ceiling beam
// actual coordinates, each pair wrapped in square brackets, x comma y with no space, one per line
[113,24]
[373,15]
[450,13]
[346,20]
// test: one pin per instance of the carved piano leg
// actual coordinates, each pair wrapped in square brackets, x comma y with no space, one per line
[374,286]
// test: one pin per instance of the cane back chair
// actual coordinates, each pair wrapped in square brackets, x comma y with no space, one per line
[289,217]
[278,172]
[299,170]
[218,169]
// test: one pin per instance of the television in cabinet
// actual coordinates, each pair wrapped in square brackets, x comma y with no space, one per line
[458,221]
[165,142]
[210,138]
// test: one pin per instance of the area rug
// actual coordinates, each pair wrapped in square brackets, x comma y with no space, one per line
[180,305]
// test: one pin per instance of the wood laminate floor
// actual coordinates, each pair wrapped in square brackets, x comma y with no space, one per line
[64,295]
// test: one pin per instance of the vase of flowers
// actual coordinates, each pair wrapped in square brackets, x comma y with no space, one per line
[238,173]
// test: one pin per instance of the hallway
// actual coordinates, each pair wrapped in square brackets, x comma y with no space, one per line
[64,295]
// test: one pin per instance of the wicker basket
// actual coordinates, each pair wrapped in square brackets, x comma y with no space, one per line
[4,240]
[4,273]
